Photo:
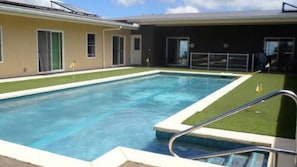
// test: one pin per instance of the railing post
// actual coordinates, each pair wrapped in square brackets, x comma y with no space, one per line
[247,62]
[208,61]
[253,62]
[227,63]
[191,59]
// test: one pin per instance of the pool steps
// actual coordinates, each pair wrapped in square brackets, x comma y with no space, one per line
[274,151]
[254,159]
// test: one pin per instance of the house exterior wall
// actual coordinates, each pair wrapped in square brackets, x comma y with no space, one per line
[240,38]
[20,45]
[108,46]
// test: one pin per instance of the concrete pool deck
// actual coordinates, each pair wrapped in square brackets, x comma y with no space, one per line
[123,156]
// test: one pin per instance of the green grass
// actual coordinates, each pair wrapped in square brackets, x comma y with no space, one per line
[275,118]
[38,83]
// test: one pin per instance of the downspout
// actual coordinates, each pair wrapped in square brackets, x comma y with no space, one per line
[103,42]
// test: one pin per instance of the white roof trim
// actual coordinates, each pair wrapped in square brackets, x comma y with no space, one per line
[218,18]
[61,16]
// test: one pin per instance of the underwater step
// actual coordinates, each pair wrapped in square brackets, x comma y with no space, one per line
[254,159]
[237,160]
[217,160]
[257,159]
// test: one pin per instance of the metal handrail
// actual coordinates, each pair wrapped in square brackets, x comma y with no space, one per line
[231,112]
[245,150]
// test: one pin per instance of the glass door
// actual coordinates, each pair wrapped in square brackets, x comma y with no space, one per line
[56,50]
[117,50]
[177,51]
[280,53]
[49,51]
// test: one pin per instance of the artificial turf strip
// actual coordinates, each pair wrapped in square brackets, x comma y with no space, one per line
[38,83]
[277,116]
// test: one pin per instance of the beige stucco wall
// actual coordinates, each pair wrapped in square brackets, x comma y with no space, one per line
[108,45]
[19,37]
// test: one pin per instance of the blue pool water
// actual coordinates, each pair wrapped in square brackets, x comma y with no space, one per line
[87,122]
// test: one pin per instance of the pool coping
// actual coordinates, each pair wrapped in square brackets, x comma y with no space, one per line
[119,155]
[70,85]
[172,124]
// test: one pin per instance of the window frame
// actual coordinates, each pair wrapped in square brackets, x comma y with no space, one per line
[90,55]
[123,51]
[1,45]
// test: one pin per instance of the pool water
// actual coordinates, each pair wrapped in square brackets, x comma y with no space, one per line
[87,122]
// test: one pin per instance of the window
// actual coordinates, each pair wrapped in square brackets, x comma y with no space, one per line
[280,53]
[118,50]
[1,57]
[91,45]
[50,56]
[136,43]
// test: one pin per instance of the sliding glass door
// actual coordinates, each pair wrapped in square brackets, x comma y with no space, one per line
[118,50]
[50,56]
[177,51]
[280,53]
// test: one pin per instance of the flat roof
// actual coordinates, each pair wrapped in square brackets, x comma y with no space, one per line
[47,13]
[216,18]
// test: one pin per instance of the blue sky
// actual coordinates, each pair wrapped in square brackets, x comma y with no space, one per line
[121,8]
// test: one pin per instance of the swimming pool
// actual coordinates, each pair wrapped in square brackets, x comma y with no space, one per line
[86,122]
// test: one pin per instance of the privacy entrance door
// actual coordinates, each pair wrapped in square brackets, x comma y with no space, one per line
[136,49]
[50,57]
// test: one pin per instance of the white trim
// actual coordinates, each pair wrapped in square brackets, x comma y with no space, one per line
[61,16]
[1,45]
[87,45]
[216,18]
[120,155]
[124,50]
[63,54]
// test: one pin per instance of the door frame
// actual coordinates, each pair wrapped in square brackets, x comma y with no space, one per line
[62,56]
[178,38]
[278,57]
[124,50]
[132,37]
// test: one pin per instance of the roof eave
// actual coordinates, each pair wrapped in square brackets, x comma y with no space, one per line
[276,19]
[60,16]
[219,22]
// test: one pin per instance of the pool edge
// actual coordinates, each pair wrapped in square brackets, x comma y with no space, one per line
[173,124]
[43,158]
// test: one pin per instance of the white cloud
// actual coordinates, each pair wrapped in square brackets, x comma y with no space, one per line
[128,3]
[182,9]
[234,4]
